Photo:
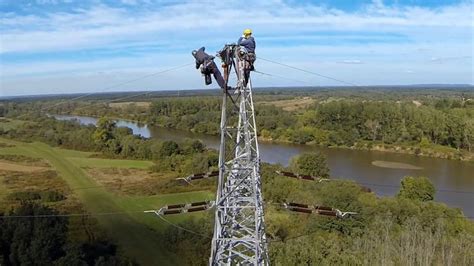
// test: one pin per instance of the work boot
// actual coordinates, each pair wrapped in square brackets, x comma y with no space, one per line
[208,79]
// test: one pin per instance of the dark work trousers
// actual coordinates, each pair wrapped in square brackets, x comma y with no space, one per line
[210,67]
[248,66]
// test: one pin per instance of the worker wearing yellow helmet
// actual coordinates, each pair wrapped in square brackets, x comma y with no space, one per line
[247,41]
[247,51]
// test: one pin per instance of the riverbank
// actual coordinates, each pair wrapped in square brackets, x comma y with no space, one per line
[345,163]
[441,152]
[430,151]
[437,152]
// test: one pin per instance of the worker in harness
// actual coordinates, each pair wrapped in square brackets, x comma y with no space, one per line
[247,52]
[207,65]
[247,41]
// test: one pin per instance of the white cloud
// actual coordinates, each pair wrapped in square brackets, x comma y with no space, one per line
[450,58]
[391,39]
[102,25]
[353,62]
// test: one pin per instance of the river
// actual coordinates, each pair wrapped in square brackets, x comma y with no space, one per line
[454,180]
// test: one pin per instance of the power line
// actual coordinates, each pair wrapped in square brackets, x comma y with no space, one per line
[281,77]
[387,215]
[192,231]
[305,234]
[130,96]
[167,221]
[197,233]
[124,83]
[182,228]
[69,215]
[310,72]
[115,86]
[115,100]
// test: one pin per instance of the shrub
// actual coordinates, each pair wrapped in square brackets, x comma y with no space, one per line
[24,196]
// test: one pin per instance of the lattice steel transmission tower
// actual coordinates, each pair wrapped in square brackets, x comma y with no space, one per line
[239,229]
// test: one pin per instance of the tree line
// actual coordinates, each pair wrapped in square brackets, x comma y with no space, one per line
[343,122]
[444,118]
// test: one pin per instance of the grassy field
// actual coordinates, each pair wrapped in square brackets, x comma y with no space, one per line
[291,105]
[106,163]
[134,230]
[126,104]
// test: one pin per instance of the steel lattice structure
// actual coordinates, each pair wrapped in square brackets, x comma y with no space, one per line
[239,230]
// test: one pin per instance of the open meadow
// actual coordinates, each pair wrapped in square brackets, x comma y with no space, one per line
[121,216]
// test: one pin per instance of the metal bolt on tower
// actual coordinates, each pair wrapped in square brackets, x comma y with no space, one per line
[239,235]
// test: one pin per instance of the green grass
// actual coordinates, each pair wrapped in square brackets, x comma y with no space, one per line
[21,148]
[440,148]
[133,230]
[17,149]
[73,153]
[107,163]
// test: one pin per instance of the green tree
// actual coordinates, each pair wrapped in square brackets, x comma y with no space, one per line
[193,146]
[425,142]
[301,136]
[417,188]
[469,134]
[198,164]
[373,126]
[104,131]
[33,241]
[313,164]
[169,148]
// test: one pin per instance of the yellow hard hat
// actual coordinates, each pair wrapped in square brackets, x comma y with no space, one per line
[247,31]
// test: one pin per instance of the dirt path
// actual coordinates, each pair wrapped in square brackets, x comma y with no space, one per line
[137,240]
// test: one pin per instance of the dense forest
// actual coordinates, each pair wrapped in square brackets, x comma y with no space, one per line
[46,240]
[336,123]
[440,124]
[409,228]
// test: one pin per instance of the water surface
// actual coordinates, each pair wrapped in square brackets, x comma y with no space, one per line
[454,180]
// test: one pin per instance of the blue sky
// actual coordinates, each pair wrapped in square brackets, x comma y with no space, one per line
[66,46]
